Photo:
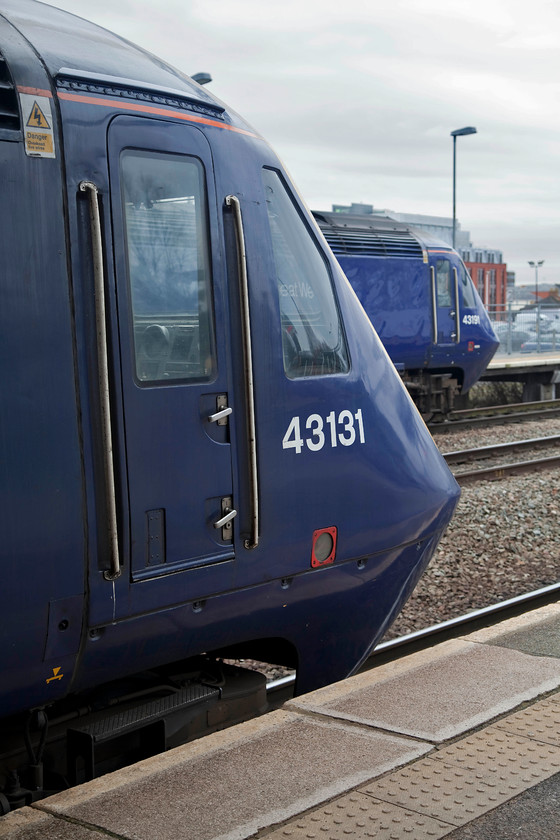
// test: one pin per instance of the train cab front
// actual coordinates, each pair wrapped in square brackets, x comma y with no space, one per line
[353,494]
[374,489]
[481,344]
[464,339]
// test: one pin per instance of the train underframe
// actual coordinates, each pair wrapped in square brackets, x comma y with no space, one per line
[51,749]
[433,392]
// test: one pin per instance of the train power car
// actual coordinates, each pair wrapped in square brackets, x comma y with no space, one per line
[205,451]
[421,301]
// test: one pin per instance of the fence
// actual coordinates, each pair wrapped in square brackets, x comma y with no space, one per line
[527,330]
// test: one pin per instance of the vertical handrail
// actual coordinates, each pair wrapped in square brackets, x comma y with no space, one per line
[103,377]
[457,307]
[233,202]
[434,305]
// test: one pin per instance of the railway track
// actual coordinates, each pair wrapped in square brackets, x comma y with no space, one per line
[494,415]
[497,452]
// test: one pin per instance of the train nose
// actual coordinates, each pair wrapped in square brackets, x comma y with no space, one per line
[421,493]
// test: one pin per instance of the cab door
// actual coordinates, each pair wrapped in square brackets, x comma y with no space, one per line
[445,302]
[176,467]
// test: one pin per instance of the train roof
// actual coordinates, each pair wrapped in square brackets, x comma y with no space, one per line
[350,234]
[86,54]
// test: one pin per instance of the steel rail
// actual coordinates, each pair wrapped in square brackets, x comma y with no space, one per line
[495,415]
[504,470]
[508,408]
[486,616]
[459,456]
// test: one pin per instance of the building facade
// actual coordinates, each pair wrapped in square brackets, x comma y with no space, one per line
[490,276]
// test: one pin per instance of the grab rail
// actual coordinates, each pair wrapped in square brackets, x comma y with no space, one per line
[253,541]
[103,377]
[457,312]
[434,305]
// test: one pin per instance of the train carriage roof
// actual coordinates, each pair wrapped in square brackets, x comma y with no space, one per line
[78,49]
[351,234]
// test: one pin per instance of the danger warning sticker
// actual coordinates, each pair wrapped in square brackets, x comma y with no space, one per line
[36,118]
[38,125]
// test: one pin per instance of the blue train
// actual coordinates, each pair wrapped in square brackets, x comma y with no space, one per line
[206,453]
[421,301]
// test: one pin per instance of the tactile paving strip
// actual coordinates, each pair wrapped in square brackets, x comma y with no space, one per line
[505,759]
[540,722]
[439,790]
[357,817]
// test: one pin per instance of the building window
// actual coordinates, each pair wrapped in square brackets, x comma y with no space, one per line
[480,282]
[492,279]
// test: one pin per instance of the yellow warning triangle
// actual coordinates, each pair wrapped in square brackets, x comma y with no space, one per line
[36,118]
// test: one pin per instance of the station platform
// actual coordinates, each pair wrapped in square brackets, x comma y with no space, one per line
[539,373]
[461,740]
[525,361]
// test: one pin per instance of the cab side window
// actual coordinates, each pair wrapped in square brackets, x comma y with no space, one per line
[165,215]
[313,341]
[466,285]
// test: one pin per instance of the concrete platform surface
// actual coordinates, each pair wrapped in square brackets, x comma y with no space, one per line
[520,360]
[421,747]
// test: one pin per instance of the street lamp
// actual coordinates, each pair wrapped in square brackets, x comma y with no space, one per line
[459,132]
[536,265]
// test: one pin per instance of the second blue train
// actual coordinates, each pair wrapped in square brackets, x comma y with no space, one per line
[421,301]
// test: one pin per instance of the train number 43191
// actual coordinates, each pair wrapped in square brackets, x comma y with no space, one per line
[345,429]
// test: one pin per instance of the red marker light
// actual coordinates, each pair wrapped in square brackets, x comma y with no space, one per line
[324,547]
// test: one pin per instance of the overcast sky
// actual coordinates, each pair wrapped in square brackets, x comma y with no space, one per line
[358,99]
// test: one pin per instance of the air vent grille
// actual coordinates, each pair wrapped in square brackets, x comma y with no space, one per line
[365,241]
[9,109]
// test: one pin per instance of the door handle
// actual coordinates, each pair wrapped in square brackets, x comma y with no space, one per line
[220,415]
[225,521]
[220,523]
[222,411]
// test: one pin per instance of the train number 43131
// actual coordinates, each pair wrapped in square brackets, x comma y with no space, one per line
[343,429]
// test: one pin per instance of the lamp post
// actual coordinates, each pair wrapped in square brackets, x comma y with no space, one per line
[536,265]
[459,132]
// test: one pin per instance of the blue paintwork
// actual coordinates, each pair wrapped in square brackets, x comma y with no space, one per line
[390,497]
[396,294]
